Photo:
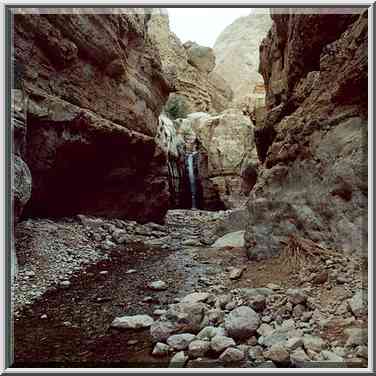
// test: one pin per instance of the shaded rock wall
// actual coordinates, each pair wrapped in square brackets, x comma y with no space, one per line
[20,173]
[96,88]
[313,182]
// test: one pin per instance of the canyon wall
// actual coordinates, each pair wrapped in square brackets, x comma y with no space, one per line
[95,88]
[237,56]
[226,149]
[190,68]
[313,138]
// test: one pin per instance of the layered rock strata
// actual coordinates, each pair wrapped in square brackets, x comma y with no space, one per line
[313,138]
[96,88]
[190,67]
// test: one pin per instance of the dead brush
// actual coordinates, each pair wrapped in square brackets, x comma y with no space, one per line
[299,253]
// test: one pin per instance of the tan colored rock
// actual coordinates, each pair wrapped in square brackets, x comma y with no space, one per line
[226,146]
[237,56]
[201,57]
[189,68]
[312,140]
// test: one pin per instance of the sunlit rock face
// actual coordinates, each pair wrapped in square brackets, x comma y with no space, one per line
[237,56]
[96,88]
[313,138]
[226,148]
[190,67]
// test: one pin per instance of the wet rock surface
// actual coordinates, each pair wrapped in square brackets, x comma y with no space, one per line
[73,324]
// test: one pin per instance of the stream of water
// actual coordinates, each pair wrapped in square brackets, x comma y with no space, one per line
[192,178]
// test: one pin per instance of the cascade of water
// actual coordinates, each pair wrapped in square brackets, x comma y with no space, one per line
[192,178]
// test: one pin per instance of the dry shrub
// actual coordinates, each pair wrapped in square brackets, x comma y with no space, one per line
[300,252]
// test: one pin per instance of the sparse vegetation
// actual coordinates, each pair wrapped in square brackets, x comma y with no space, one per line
[176,107]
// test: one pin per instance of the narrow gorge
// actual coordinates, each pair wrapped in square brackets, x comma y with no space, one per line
[180,205]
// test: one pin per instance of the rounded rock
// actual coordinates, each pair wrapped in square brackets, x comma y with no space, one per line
[242,323]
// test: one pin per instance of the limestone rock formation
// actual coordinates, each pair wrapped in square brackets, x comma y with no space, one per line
[237,55]
[313,139]
[96,88]
[226,148]
[201,57]
[189,67]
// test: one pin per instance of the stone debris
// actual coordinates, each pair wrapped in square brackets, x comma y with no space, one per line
[132,322]
[180,341]
[158,285]
[220,343]
[179,360]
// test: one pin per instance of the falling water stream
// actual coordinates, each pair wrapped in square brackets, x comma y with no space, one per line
[192,178]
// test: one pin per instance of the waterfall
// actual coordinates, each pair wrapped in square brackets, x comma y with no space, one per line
[192,178]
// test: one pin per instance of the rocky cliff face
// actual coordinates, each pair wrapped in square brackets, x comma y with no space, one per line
[313,139]
[226,149]
[21,176]
[190,68]
[237,55]
[95,89]
[174,147]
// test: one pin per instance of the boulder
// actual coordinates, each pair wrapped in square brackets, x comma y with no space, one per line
[358,303]
[313,343]
[132,322]
[180,341]
[232,355]
[160,330]
[161,349]
[179,318]
[233,239]
[178,360]
[158,285]
[242,322]
[198,348]
[220,343]
[299,358]
[201,57]
[278,354]
[210,331]
[296,296]
[196,297]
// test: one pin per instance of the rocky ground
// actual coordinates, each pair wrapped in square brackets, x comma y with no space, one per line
[113,293]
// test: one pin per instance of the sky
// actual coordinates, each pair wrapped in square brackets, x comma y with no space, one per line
[203,25]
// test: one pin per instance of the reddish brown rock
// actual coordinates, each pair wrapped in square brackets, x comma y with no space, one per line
[96,89]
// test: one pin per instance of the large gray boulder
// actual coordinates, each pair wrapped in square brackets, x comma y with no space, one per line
[242,323]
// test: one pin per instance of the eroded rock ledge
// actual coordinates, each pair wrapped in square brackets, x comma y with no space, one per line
[95,89]
[314,180]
